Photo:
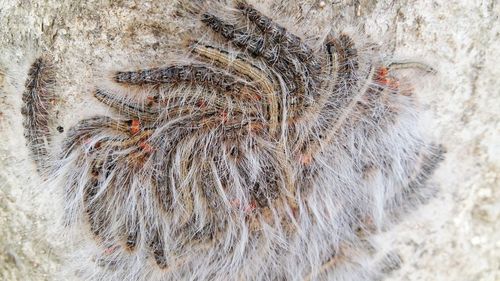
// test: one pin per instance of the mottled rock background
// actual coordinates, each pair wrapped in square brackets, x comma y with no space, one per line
[455,237]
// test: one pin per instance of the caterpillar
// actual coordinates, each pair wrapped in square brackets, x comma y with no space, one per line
[38,99]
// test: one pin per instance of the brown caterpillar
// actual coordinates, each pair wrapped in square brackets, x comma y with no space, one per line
[260,157]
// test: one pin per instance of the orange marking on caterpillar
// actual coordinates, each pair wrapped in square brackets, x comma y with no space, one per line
[111,249]
[151,100]
[146,147]
[394,84]
[305,159]
[135,126]
[223,115]
[382,74]
[235,203]
[250,207]
[88,141]
[384,79]
[254,127]
[247,209]
[295,212]
[201,104]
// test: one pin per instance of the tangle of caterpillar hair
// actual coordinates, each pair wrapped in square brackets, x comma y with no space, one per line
[261,159]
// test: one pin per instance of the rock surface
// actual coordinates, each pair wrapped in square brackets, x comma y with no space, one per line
[454,237]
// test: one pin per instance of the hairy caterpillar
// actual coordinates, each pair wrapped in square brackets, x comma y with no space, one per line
[262,158]
[37,99]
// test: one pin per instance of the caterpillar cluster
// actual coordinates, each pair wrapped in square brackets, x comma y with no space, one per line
[258,157]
